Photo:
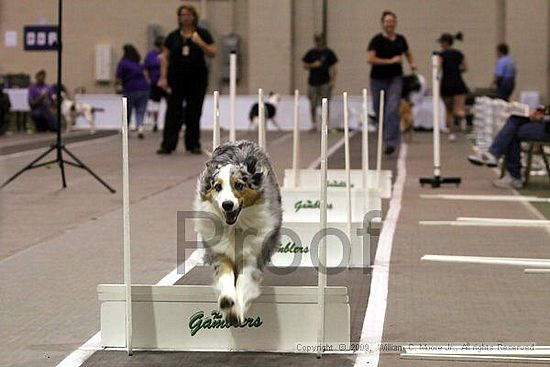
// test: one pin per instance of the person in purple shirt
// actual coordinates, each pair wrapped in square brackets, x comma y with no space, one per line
[41,99]
[152,67]
[135,84]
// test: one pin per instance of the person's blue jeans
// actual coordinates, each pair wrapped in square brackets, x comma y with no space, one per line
[392,98]
[137,100]
[508,141]
[44,119]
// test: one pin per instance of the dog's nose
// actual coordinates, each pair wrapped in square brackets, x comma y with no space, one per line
[227,206]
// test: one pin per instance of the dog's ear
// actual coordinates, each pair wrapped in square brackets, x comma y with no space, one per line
[257,178]
[255,170]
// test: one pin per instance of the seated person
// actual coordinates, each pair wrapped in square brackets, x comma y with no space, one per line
[41,98]
[508,143]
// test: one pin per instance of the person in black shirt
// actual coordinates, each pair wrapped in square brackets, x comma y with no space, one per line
[184,75]
[385,53]
[453,88]
[321,63]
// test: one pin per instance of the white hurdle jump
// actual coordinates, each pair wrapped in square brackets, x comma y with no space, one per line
[346,209]
[185,317]
[375,180]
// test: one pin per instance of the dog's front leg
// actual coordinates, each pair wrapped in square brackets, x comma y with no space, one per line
[249,278]
[225,285]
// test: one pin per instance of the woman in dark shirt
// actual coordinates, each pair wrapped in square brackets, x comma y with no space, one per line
[385,53]
[453,88]
[184,76]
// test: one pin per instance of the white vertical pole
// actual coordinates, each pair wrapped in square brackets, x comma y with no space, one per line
[347,162]
[322,272]
[380,133]
[232,94]
[261,119]
[435,102]
[216,125]
[296,141]
[126,225]
[365,145]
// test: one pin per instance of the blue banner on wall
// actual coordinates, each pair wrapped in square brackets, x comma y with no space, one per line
[40,37]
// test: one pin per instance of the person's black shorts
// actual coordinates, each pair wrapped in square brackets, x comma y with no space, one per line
[156,93]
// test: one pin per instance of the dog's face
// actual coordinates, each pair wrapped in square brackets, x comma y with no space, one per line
[230,189]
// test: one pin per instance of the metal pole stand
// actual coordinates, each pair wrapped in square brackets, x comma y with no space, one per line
[436,181]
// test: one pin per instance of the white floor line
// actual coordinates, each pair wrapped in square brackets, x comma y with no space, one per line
[331,150]
[502,220]
[512,198]
[280,140]
[489,222]
[475,358]
[536,271]
[85,351]
[539,263]
[69,145]
[373,325]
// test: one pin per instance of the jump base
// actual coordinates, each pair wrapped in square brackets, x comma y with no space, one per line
[437,181]
[185,317]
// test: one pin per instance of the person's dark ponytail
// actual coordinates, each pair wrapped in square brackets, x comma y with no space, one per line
[459,36]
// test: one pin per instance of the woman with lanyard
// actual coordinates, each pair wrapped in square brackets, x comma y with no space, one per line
[184,76]
[385,53]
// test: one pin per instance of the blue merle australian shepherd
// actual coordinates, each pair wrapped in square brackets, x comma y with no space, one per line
[239,189]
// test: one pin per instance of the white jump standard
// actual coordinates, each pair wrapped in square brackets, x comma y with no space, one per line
[437,180]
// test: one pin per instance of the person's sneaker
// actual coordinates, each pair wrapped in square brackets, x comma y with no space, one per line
[508,182]
[140,133]
[389,150]
[452,137]
[484,158]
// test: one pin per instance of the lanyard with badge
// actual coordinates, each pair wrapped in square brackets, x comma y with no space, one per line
[185,49]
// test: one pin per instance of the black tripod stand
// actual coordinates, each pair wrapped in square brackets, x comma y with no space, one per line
[58,146]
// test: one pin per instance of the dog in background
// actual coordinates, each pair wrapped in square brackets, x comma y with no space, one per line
[238,191]
[411,84]
[270,111]
[71,110]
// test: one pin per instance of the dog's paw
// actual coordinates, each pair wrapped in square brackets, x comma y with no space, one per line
[233,318]
[226,302]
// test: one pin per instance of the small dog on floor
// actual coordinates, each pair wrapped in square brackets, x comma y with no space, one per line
[239,194]
[406,119]
[270,111]
[71,110]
